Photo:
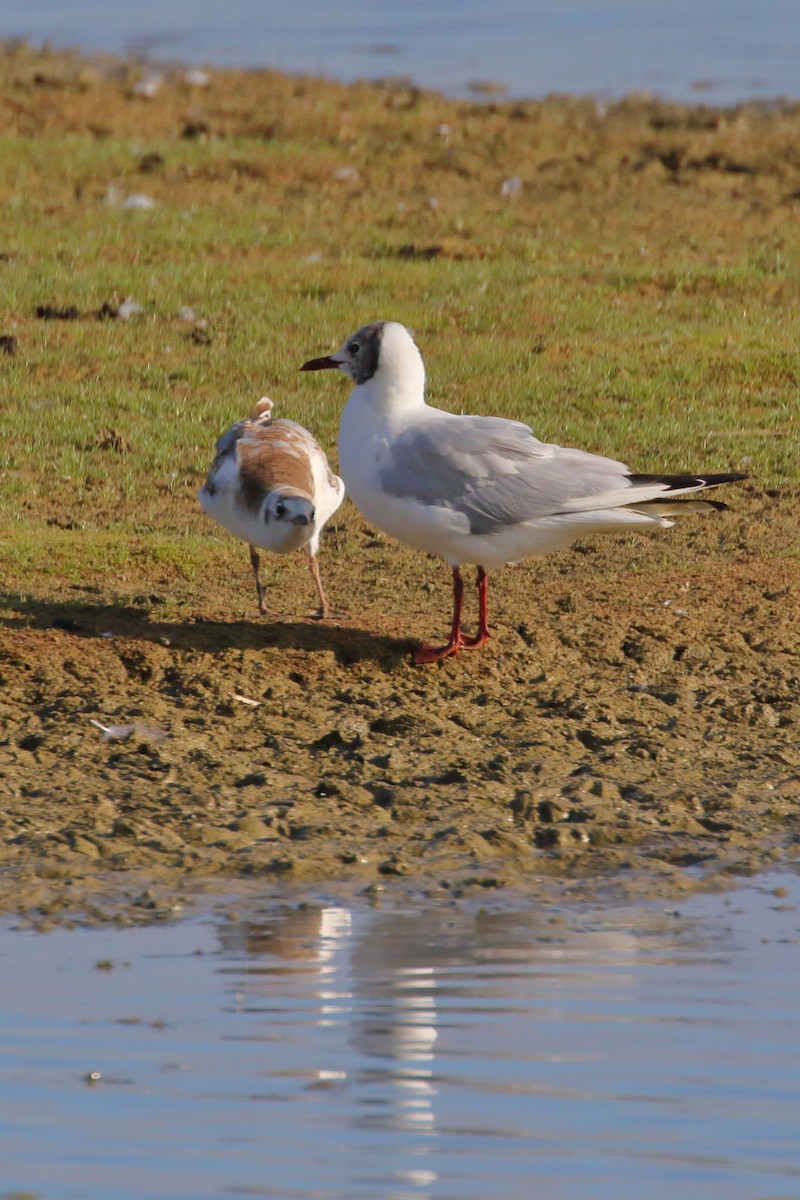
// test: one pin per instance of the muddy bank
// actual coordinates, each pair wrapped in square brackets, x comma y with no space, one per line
[627,723]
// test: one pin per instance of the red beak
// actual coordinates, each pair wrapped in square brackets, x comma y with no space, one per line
[328,363]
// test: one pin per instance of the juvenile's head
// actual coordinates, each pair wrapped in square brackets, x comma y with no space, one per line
[289,518]
[285,505]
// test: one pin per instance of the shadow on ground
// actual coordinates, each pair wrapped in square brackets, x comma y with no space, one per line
[348,642]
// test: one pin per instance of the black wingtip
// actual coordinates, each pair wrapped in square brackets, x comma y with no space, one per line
[717,505]
[677,483]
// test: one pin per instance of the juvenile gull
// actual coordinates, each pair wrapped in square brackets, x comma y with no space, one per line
[476,489]
[271,485]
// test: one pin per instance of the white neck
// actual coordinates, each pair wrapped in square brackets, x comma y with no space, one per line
[399,383]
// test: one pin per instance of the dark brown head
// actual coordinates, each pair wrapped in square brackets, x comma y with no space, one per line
[358,357]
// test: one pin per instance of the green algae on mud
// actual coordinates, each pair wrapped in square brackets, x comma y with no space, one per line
[636,712]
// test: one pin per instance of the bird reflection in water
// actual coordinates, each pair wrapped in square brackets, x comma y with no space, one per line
[371,989]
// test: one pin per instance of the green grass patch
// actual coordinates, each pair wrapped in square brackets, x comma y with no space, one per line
[640,306]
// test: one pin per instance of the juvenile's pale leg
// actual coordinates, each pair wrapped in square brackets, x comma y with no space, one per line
[323,611]
[313,566]
[255,563]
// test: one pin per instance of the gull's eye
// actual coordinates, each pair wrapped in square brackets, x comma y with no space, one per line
[354,347]
[280,510]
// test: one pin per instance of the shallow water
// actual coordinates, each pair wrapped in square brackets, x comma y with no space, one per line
[346,1052]
[721,51]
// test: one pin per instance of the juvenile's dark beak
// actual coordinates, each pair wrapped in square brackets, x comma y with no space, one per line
[328,363]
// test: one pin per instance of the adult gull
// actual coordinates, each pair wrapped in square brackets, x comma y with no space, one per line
[477,489]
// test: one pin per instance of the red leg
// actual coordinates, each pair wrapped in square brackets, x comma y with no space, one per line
[431,654]
[482,584]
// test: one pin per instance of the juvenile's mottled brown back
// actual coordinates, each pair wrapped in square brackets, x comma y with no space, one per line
[273,454]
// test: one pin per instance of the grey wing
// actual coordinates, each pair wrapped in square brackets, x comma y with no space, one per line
[495,472]
[229,439]
[225,451]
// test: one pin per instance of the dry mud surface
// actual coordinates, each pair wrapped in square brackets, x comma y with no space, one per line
[627,722]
